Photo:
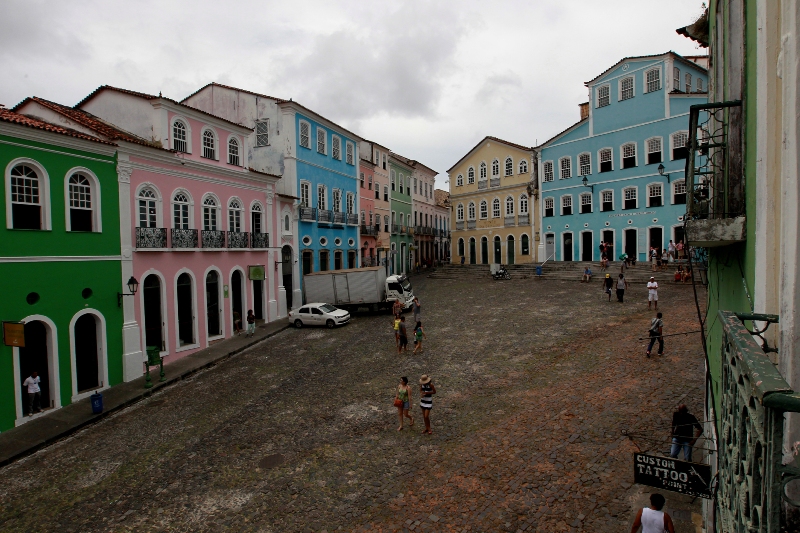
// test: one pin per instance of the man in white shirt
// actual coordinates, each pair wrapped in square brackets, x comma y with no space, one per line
[652,292]
[34,392]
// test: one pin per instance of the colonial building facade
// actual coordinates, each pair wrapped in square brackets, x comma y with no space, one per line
[401,221]
[490,196]
[422,205]
[441,225]
[617,175]
[378,218]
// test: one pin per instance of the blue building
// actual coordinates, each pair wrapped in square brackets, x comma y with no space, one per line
[323,159]
[617,175]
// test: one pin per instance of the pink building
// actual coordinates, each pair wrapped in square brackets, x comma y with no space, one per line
[199,222]
[366,194]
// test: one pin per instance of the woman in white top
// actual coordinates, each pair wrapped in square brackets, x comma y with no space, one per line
[652,519]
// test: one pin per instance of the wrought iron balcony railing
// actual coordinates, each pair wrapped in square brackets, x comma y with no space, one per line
[308,213]
[238,239]
[338,217]
[325,216]
[395,229]
[352,219]
[213,238]
[151,237]
[715,203]
[183,238]
[259,240]
[369,230]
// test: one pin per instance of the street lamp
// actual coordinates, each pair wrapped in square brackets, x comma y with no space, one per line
[585,182]
[661,171]
[133,286]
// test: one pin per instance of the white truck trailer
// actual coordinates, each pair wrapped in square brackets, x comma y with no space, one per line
[357,287]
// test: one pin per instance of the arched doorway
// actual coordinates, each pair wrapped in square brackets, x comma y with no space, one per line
[498,256]
[87,354]
[35,357]
[153,321]
[185,294]
[212,305]
[472,250]
[286,267]
[510,249]
[484,251]
[237,298]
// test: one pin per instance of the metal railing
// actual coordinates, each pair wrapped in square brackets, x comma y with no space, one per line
[212,238]
[338,217]
[308,213]
[238,239]
[259,240]
[369,230]
[352,219]
[395,229]
[151,237]
[324,215]
[183,238]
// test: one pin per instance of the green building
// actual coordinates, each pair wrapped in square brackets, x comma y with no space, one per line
[402,224]
[60,265]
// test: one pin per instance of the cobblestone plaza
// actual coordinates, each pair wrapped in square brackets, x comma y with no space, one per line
[536,383]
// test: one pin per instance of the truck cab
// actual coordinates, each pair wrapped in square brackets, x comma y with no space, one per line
[399,288]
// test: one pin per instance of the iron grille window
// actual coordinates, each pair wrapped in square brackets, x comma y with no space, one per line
[484,209]
[608,201]
[147,208]
[209,145]
[628,155]
[653,80]
[179,143]
[349,153]
[496,208]
[321,141]
[336,147]
[679,192]
[262,133]
[603,98]
[679,150]
[630,198]
[565,166]
[233,152]
[80,203]
[653,151]
[586,203]
[655,194]
[180,211]
[585,164]
[509,167]
[548,171]
[566,205]
[626,88]
[548,207]
[305,135]
[606,164]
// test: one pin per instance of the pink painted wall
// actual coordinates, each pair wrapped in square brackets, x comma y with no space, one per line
[367,200]
[196,133]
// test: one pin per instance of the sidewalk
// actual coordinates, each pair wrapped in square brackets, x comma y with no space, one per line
[42,431]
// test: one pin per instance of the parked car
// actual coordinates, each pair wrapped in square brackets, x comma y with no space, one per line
[319,314]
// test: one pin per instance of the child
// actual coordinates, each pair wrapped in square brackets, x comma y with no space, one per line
[418,334]
[237,322]
[251,323]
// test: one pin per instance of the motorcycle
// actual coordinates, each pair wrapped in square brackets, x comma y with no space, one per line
[501,273]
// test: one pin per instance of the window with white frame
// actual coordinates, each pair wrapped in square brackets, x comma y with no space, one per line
[606,160]
[385,223]
[565,168]
[509,206]
[363,218]
[385,193]
[262,133]
[402,181]
[586,202]
[336,147]
[548,170]
[394,179]
[496,208]
[147,207]
[408,185]
[233,152]
[607,201]
[700,85]
[235,215]
[257,222]
[415,186]
[548,207]
[179,137]
[655,195]
[629,155]
[484,209]
[585,164]
[305,135]
[626,88]
[369,183]
[679,149]
[471,176]
[322,141]
[566,205]
[180,210]
[523,167]
[460,212]
[351,203]
[305,193]
[654,150]
[483,171]
[209,145]
[603,96]
[210,214]
[81,206]
[471,211]
[495,168]
[361,178]
[509,167]
[337,200]
[676,78]
[653,80]
[630,198]
[371,218]
[679,192]
[321,197]
[349,150]
[459,180]
[688,79]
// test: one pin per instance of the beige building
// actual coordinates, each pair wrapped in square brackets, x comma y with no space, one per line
[493,197]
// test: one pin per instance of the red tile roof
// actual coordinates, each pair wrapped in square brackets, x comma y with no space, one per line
[412,162]
[442,198]
[7,115]
[496,139]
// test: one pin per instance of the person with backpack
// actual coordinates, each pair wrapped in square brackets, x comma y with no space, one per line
[419,333]
[656,334]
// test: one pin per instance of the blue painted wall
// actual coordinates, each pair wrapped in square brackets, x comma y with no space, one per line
[658,114]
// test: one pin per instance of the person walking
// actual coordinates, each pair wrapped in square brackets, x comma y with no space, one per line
[608,283]
[251,323]
[417,308]
[653,519]
[426,391]
[683,436]
[403,332]
[402,400]
[397,308]
[418,334]
[34,392]
[652,292]
[622,284]
[653,256]
[396,327]
[656,334]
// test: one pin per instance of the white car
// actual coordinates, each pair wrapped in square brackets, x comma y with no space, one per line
[319,314]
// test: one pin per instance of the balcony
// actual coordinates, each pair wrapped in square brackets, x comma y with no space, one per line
[459,225]
[213,238]
[338,217]
[238,239]
[369,230]
[151,238]
[509,221]
[523,220]
[494,182]
[715,203]
[183,238]
[395,229]
[259,240]
[325,216]
[482,184]
[352,219]
[404,230]
[308,214]
[471,224]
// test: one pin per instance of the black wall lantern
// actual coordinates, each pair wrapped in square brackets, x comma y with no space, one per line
[585,182]
[661,171]
[133,286]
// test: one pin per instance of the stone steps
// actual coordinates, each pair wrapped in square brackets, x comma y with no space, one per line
[557,270]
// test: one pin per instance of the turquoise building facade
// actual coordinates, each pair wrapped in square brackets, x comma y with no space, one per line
[617,175]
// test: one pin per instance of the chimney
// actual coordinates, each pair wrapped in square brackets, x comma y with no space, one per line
[584,110]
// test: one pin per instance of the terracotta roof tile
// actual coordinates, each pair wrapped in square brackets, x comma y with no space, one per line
[441,197]
[411,162]
[7,115]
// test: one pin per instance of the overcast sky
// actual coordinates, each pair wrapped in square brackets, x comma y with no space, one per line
[426,79]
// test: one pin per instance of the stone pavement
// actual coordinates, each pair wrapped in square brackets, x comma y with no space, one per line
[53,426]
[536,381]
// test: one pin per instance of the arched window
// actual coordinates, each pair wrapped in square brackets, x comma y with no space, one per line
[461,247]
[509,206]
[523,204]
[28,198]
[209,145]
[484,209]
[82,204]
[523,167]
[496,208]
[459,180]
[180,210]
[179,137]
[287,224]
[509,167]
[483,171]
[471,211]
[235,215]
[525,245]
[495,168]
[148,212]
[256,218]
[210,214]
[460,212]
[233,152]
[470,176]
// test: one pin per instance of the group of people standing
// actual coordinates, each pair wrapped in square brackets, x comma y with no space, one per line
[401,330]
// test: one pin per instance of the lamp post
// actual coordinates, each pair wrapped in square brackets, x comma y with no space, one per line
[585,182]
[133,286]
[661,171]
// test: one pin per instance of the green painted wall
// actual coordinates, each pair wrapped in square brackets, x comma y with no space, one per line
[59,284]
[401,203]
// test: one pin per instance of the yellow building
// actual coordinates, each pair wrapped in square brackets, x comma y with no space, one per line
[493,199]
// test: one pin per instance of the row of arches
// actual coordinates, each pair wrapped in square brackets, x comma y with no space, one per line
[484,256]
[508,170]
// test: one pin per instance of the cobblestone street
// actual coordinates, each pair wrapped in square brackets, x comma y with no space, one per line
[536,381]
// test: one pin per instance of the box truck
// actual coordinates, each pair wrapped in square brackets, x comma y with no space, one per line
[358,287]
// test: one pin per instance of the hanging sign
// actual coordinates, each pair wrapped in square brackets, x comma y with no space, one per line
[256,272]
[14,334]
[666,473]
